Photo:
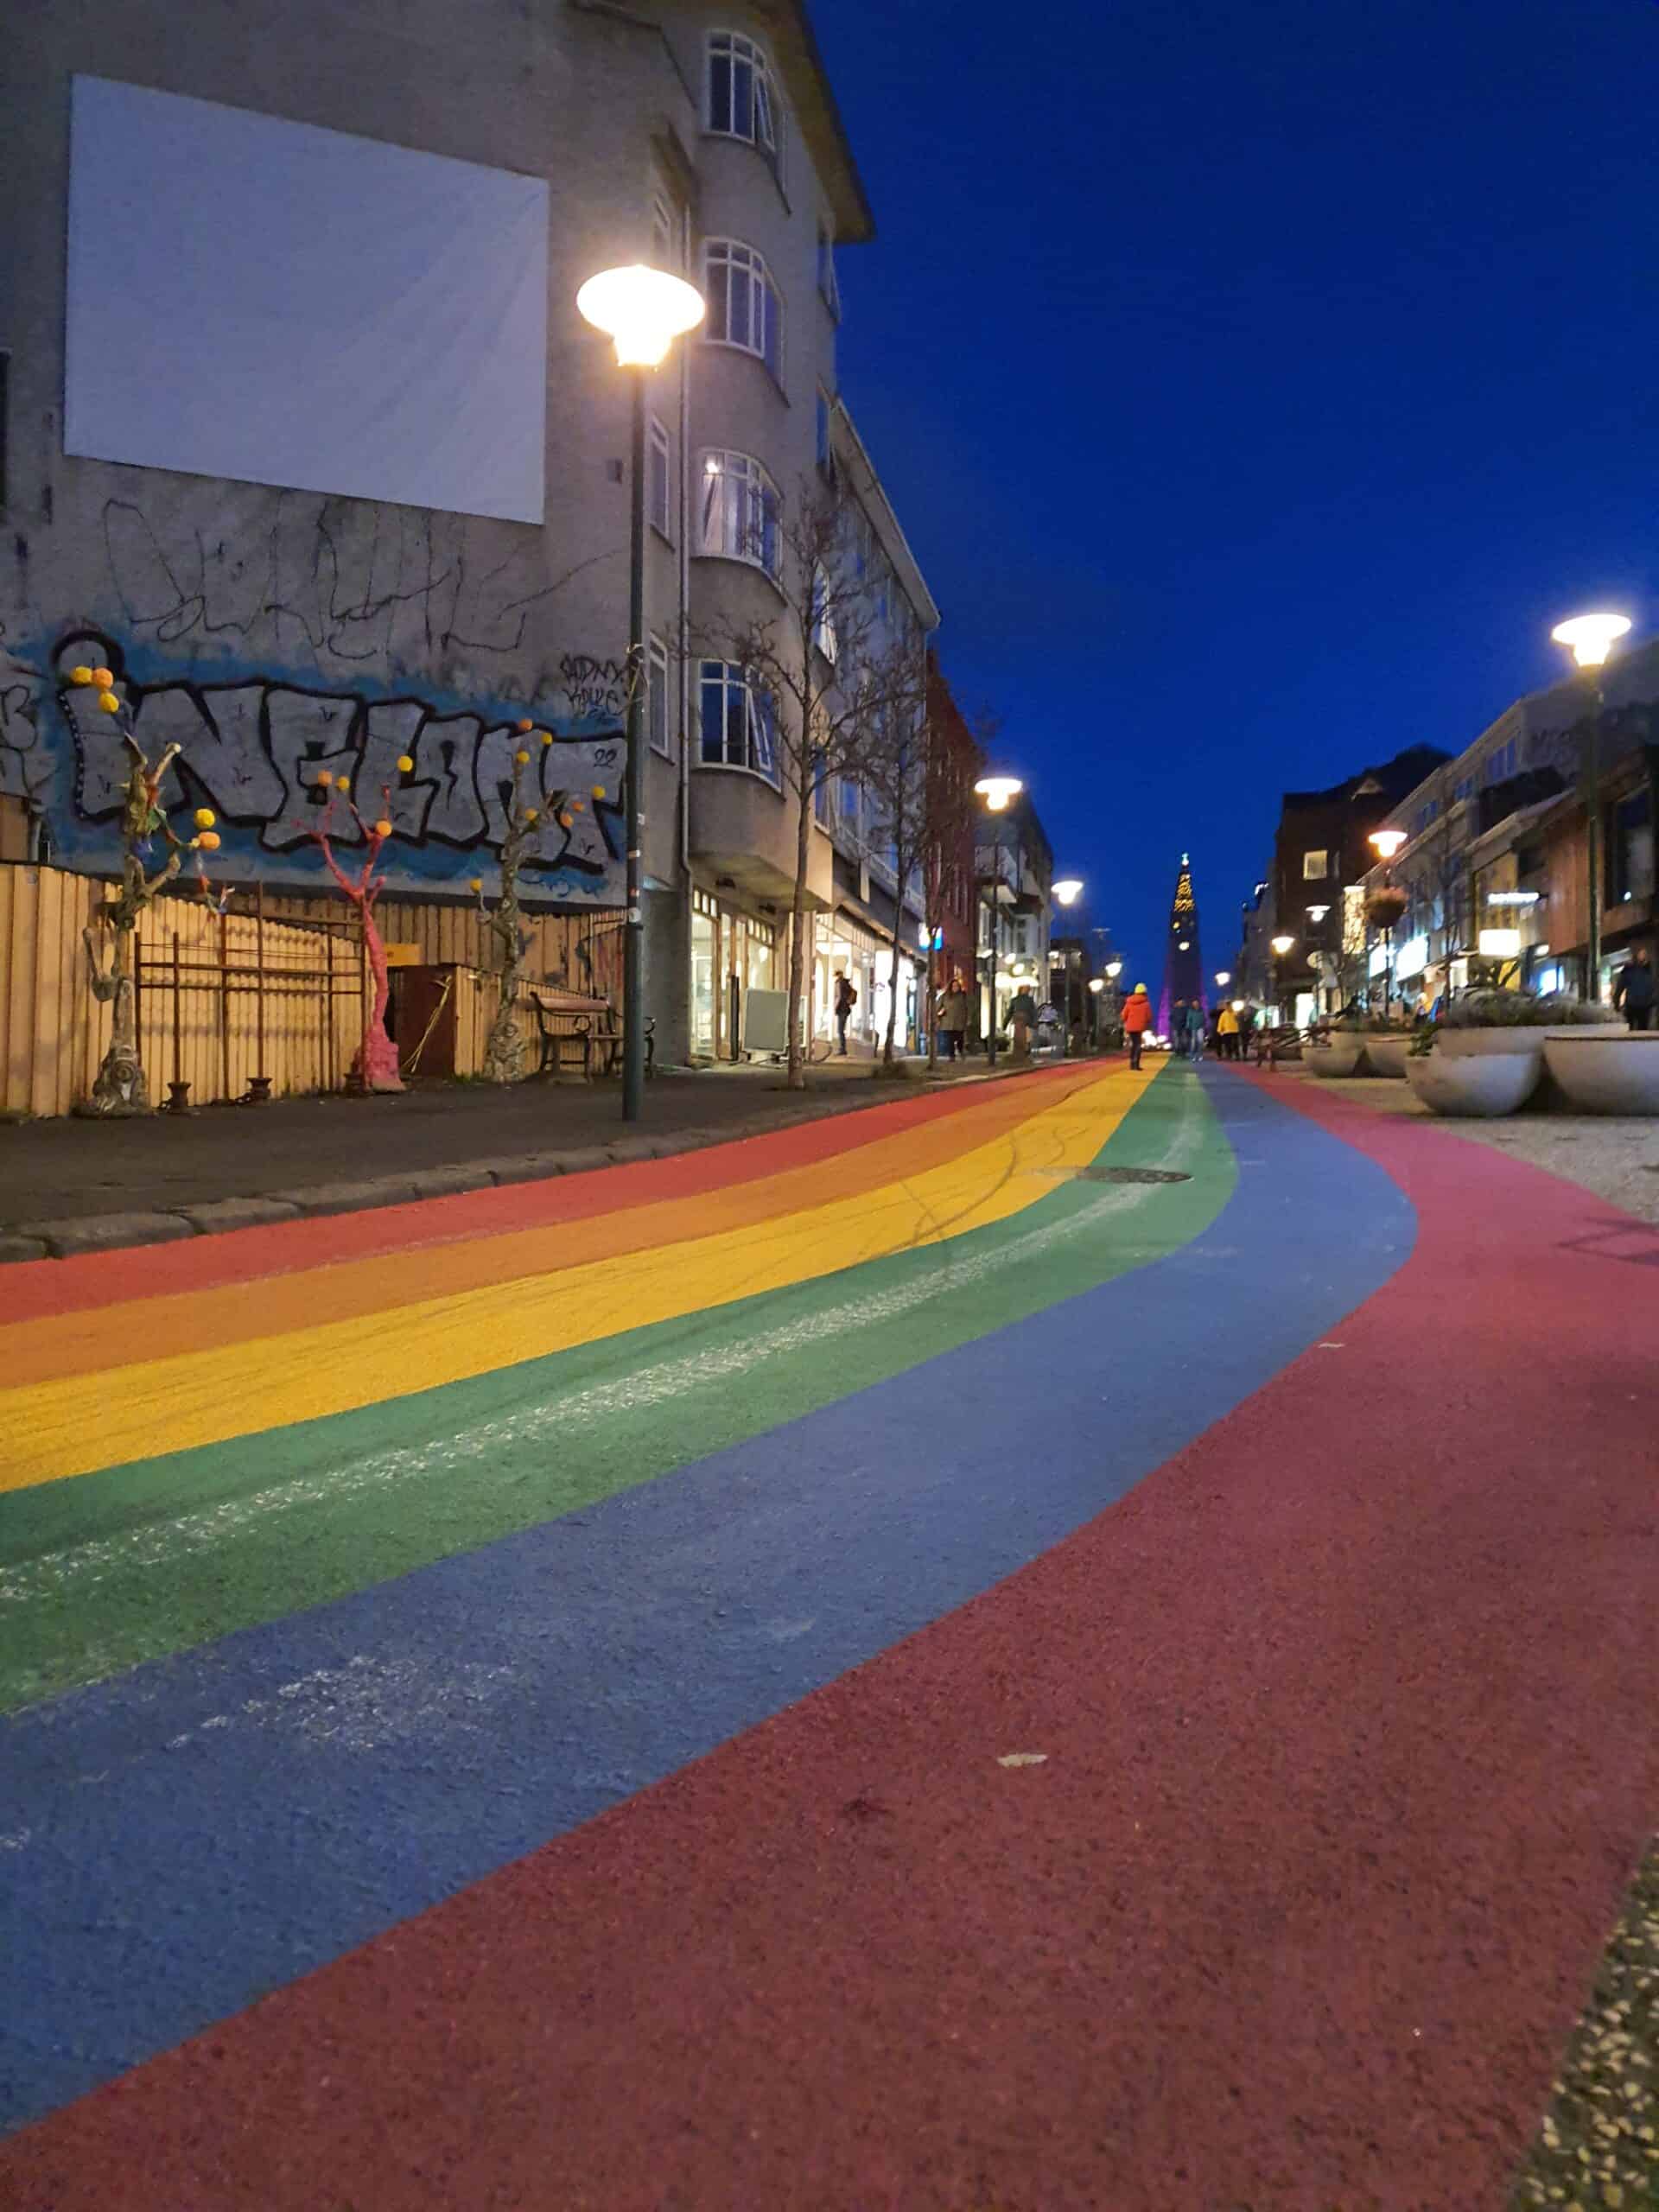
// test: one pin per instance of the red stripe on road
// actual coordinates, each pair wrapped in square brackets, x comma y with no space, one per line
[38,1288]
[1347,1722]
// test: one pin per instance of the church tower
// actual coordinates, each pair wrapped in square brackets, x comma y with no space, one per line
[1184,957]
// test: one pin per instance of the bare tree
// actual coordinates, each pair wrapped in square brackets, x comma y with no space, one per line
[819,684]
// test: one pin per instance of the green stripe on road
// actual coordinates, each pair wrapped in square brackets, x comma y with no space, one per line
[103,1571]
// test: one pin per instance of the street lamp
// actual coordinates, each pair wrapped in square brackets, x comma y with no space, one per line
[1590,638]
[1223,976]
[1066,890]
[1096,985]
[1281,945]
[643,311]
[996,792]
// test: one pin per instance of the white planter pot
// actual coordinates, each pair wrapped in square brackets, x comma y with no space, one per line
[1473,1044]
[1605,1071]
[1341,1056]
[1388,1055]
[1478,1086]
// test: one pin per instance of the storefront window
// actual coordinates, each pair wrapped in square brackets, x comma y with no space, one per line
[702,985]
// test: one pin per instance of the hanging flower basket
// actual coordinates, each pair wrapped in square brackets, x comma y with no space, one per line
[1384,907]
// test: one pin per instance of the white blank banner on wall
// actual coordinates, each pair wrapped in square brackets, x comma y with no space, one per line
[263,299]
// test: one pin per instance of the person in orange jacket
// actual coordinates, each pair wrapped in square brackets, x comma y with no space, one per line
[1137,1019]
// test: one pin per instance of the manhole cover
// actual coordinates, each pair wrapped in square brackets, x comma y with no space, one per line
[1115,1174]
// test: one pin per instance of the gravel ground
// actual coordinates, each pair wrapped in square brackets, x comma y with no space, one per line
[1617,1159]
[1600,2142]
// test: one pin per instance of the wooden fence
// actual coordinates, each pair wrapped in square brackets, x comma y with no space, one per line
[274,986]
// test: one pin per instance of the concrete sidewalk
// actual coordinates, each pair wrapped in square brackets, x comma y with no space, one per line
[69,1186]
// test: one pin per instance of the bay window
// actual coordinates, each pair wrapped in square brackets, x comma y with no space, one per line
[740,512]
[744,309]
[738,720]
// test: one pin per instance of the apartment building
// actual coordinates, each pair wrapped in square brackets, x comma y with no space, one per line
[1494,865]
[305,440]
[1015,867]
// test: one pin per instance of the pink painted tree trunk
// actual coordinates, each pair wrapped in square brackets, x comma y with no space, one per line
[376,1062]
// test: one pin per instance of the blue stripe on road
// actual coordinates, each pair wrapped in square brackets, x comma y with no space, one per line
[205,1828]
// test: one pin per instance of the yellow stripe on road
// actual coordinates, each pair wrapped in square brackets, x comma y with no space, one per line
[75,1424]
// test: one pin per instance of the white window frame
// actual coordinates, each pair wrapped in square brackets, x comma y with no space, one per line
[765,128]
[823,615]
[758,742]
[659,700]
[659,450]
[740,515]
[828,282]
[748,284]
[1321,874]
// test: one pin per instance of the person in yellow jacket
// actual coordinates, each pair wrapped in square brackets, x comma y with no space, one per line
[1227,1030]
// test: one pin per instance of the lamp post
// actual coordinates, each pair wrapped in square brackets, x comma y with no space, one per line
[1385,843]
[1590,638]
[1065,891]
[996,792]
[1096,985]
[643,311]
[1281,945]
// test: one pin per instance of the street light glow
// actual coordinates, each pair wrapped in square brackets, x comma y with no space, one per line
[1067,889]
[1097,982]
[643,310]
[1385,843]
[997,790]
[1113,969]
[1281,945]
[1317,913]
[1223,976]
[1591,635]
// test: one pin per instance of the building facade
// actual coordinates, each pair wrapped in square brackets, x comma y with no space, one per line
[1014,864]
[1495,866]
[306,441]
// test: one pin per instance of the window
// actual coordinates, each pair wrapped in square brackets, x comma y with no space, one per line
[828,289]
[739,520]
[823,616]
[742,102]
[660,478]
[820,791]
[1631,869]
[657,702]
[743,304]
[825,460]
[667,232]
[740,721]
[1316,866]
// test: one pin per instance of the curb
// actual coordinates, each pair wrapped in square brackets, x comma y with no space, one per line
[110,1232]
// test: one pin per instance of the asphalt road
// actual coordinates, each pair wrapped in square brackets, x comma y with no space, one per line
[1080,1642]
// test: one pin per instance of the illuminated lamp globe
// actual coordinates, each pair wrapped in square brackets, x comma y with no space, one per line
[643,310]
[1068,888]
[1281,945]
[1223,976]
[1113,969]
[1591,635]
[997,790]
[1097,982]
[1185,945]
[1385,843]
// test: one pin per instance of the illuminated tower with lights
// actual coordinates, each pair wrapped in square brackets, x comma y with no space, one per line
[1183,959]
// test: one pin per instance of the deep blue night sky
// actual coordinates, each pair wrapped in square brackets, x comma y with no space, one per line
[1257,383]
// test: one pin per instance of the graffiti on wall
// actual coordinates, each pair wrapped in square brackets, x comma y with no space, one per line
[254,747]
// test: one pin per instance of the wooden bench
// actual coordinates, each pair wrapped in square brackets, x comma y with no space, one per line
[578,1031]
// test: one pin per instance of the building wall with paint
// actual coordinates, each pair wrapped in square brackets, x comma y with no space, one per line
[279,633]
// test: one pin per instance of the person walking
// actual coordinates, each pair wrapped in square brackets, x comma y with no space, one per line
[1633,990]
[1227,1031]
[1137,1019]
[846,1000]
[953,1017]
[1194,1032]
